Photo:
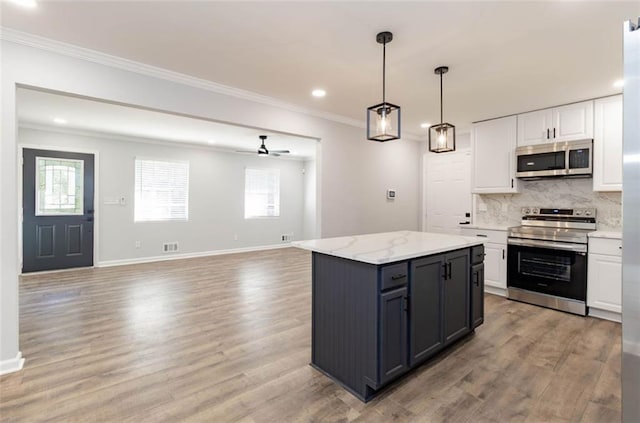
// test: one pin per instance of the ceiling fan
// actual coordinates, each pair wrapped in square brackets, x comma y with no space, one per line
[263,151]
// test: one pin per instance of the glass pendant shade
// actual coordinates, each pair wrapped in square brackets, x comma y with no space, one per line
[383,122]
[442,138]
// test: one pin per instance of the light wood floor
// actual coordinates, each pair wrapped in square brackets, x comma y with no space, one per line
[227,338]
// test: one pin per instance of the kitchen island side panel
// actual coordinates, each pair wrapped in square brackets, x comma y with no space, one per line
[344,335]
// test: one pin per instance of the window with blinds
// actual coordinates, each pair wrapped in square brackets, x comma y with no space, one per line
[161,190]
[261,193]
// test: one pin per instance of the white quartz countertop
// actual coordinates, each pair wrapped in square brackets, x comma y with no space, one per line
[388,247]
[606,234]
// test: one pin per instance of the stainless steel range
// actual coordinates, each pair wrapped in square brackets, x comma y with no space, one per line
[547,258]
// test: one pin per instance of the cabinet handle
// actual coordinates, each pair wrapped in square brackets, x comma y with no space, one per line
[476,278]
[449,277]
[511,182]
[398,276]
[503,254]
[554,132]
[547,133]
[406,303]
[444,266]
[481,235]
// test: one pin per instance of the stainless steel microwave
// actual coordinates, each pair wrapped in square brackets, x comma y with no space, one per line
[568,159]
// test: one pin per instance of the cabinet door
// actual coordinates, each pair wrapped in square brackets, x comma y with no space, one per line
[456,296]
[477,295]
[493,143]
[425,305]
[393,334]
[535,127]
[495,265]
[607,144]
[573,121]
[604,282]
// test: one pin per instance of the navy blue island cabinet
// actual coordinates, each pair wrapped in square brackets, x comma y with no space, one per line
[371,323]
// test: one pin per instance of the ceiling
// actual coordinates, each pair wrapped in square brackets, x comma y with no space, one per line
[504,57]
[38,108]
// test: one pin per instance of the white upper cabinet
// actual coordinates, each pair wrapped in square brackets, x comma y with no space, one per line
[564,123]
[493,144]
[573,122]
[534,127]
[607,144]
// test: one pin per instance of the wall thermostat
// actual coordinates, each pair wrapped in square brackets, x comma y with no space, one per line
[391,194]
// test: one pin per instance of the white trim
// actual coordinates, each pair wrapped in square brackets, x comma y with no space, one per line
[495,291]
[140,260]
[12,365]
[96,191]
[605,314]
[94,56]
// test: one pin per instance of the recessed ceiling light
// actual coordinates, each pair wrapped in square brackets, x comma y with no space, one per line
[318,93]
[25,3]
[60,121]
[619,83]
[211,142]
[425,125]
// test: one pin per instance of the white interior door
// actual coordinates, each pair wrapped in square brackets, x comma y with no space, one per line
[447,185]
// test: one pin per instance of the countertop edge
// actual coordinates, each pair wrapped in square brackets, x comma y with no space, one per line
[606,234]
[423,253]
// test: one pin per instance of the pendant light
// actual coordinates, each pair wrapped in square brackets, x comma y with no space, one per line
[383,120]
[442,137]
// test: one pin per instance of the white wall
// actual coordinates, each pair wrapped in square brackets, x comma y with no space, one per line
[353,174]
[309,215]
[216,197]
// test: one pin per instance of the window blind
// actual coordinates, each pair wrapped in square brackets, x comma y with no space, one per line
[262,193]
[161,190]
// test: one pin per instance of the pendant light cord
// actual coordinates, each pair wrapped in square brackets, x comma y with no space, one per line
[441,105]
[384,54]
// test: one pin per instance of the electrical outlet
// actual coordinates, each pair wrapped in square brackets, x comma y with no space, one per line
[505,207]
[170,247]
[235,237]
[138,244]
[482,207]
[287,237]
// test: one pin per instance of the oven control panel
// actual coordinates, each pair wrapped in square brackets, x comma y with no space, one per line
[542,211]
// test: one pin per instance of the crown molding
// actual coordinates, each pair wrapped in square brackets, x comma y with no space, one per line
[77,52]
[109,136]
[82,53]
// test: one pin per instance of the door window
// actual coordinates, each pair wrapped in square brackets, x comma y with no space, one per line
[59,186]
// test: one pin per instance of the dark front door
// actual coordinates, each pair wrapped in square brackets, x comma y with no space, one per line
[57,228]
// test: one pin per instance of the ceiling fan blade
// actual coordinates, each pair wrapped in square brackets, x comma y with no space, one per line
[246,151]
[280,151]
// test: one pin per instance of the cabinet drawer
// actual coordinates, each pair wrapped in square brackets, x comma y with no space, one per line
[610,247]
[490,235]
[477,254]
[394,275]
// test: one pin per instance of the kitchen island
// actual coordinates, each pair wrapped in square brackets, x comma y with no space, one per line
[382,304]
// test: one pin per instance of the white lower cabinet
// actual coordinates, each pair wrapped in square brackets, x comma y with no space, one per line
[495,259]
[604,278]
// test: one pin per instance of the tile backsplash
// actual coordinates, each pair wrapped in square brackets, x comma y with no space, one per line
[505,209]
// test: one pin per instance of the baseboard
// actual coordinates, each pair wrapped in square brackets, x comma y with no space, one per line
[12,365]
[140,260]
[495,291]
[605,314]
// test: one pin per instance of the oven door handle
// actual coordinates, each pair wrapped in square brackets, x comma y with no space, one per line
[579,248]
